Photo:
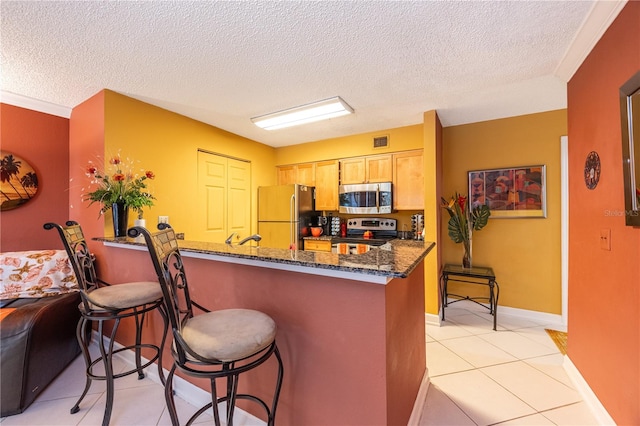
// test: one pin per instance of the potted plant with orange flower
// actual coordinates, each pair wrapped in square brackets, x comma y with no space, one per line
[463,220]
[119,189]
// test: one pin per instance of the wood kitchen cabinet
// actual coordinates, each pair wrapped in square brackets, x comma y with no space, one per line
[408,180]
[304,174]
[323,175]
[287,175]
[370,169]
[327,185]
[317,245]
[404,169]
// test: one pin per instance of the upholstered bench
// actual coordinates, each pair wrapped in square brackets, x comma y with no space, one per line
[38,318]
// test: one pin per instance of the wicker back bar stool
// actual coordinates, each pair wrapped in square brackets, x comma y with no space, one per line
[220,344]
[102,302]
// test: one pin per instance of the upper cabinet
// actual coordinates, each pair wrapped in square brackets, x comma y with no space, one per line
[370,169]
[304,174]
[307,174]
[323,175]
[408,180]
[404,169]
[327,185]
[287,175]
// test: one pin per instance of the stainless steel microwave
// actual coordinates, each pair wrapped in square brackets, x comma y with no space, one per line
[366,198]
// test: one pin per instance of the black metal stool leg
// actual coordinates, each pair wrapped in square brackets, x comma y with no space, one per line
[232,390]
[139,319]
[214,402]
[276,395]
[107,361]
[168,395]
[165,320]
[81,335]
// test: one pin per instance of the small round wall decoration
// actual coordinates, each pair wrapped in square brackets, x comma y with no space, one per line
[19,182]
[592,170]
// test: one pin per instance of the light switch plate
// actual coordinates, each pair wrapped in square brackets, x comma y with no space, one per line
[605,239]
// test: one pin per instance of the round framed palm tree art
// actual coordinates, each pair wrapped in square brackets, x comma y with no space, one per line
[19,182]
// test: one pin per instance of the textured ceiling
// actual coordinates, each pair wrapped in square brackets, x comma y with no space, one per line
[225,62]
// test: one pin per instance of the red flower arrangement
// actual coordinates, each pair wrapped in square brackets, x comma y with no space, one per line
[463,221]
[119,185]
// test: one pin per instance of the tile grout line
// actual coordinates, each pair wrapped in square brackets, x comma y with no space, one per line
[517,359]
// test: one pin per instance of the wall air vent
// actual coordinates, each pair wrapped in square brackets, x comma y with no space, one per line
[381,141]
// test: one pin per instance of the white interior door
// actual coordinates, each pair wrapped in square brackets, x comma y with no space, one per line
[224,197]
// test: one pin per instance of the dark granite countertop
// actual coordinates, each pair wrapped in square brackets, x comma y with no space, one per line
[396,259]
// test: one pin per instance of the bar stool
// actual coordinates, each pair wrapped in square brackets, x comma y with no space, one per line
[216,344]
[102,302]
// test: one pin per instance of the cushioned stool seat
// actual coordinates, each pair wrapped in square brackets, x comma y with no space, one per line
[124,296]
[238,333]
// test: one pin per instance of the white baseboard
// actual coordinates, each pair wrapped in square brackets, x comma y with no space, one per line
[432,319]
[421,400]
[183,389]
[589,397]
[552,320]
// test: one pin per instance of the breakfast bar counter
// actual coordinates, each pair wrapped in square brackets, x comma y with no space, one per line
[351,328]
[395,259]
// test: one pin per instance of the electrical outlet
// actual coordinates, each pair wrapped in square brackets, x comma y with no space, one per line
[163,219]
[180,236]
[605,239]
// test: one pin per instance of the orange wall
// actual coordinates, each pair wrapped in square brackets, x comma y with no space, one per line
[42,140]
[524,252]
[86,137]
[604,286]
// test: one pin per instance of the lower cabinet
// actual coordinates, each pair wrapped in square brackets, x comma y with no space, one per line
[317,245]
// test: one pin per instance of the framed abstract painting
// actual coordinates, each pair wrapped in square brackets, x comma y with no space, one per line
[513,192]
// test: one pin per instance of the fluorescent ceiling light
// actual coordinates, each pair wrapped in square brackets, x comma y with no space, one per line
[322,110]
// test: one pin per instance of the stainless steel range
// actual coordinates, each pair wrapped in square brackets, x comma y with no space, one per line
[364,233]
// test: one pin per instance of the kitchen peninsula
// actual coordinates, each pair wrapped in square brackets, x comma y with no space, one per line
[350,327]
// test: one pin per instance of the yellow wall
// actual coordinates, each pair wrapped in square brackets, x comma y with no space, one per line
[400,139]
[433,136]
[167,143]
[524,253]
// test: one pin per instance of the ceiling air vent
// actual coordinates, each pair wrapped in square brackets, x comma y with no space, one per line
[381,141]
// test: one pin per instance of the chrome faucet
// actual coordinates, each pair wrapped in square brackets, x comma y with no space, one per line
[230,239]
[254,237]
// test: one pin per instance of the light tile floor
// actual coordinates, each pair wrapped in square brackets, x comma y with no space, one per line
[513,376]
[136,402]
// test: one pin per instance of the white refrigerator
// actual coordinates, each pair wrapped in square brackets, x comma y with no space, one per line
[283,212]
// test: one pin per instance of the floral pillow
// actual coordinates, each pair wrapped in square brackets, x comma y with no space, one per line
[40,273]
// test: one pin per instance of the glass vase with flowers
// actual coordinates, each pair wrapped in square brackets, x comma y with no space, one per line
[463,220]
[119,188]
